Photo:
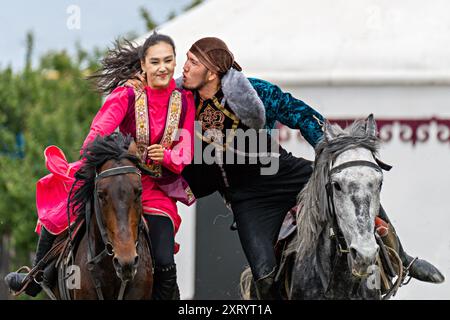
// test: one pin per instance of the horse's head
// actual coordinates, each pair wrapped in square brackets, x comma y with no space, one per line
[119,201]
[110,177]
[353,190]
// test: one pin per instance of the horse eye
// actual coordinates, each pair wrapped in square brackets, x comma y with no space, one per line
[337,186]
[101,195]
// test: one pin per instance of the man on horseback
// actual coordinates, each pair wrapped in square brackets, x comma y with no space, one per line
[225,100]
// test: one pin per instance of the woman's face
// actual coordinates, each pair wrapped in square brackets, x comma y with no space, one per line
[159,65]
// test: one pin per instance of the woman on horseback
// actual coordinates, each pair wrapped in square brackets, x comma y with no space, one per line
[161,120]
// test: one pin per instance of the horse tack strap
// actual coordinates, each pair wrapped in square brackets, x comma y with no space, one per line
[123,286]
[91,259]
[349,164]
[174,112]
[108,250]
[383,165]
[117,171]
[335,231]
[100,225]
[341,245]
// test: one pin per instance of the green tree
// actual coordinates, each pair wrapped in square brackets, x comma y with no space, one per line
[49,104]
[193,4]
[150,24]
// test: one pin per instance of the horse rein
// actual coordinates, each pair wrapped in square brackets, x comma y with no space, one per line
[109,249]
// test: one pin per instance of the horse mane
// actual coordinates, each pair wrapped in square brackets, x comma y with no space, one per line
[95,154]
[312,211]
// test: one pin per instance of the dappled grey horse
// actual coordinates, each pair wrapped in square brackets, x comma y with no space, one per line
[333,253]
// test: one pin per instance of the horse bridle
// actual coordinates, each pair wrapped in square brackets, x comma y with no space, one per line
[109,249]
[335,232]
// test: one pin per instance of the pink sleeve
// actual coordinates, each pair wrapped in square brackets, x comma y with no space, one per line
[182,150]
[109,116]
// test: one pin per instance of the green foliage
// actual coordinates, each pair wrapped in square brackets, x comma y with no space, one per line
[171,15]
[193,4]
[150,24]
[49,104]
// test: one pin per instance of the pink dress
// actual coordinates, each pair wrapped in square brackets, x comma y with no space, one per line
[118,111]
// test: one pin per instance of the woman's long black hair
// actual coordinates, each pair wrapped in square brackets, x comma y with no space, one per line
[123,62]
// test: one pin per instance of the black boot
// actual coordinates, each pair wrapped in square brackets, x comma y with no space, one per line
[267,288]
[419,269]
[165,285]
[14,280]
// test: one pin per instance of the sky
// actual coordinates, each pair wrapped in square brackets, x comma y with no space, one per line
[59,24]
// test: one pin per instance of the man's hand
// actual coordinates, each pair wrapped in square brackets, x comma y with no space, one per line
[138,82]
[156,152]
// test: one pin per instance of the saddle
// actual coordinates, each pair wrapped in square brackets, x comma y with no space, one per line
[44,272]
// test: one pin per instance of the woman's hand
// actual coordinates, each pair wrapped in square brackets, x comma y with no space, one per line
[138,82]
[156,152]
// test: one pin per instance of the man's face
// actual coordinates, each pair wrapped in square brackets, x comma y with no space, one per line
[195,74]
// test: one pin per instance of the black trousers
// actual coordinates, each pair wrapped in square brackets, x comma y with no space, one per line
[260,208]
[162,238]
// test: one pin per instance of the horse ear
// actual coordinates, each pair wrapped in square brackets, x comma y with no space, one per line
[132,148]
[371,126]
[328,131]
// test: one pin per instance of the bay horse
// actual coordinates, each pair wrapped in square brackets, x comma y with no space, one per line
[333,253]
[113,259]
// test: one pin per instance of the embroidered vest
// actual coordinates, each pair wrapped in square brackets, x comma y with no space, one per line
[172,184]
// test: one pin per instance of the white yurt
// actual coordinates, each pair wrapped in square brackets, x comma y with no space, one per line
[346,59]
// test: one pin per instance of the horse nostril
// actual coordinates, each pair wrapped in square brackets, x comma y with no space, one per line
[116,263]
[353,253]
[136,261]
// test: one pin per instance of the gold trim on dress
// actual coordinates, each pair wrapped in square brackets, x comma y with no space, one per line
[142,131]
[142,128]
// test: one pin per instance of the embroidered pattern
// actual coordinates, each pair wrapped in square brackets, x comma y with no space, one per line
[190,194]
[173,120]
[142,131]
[142,128]
[212,119]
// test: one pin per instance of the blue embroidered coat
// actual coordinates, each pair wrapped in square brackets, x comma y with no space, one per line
[284,108]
